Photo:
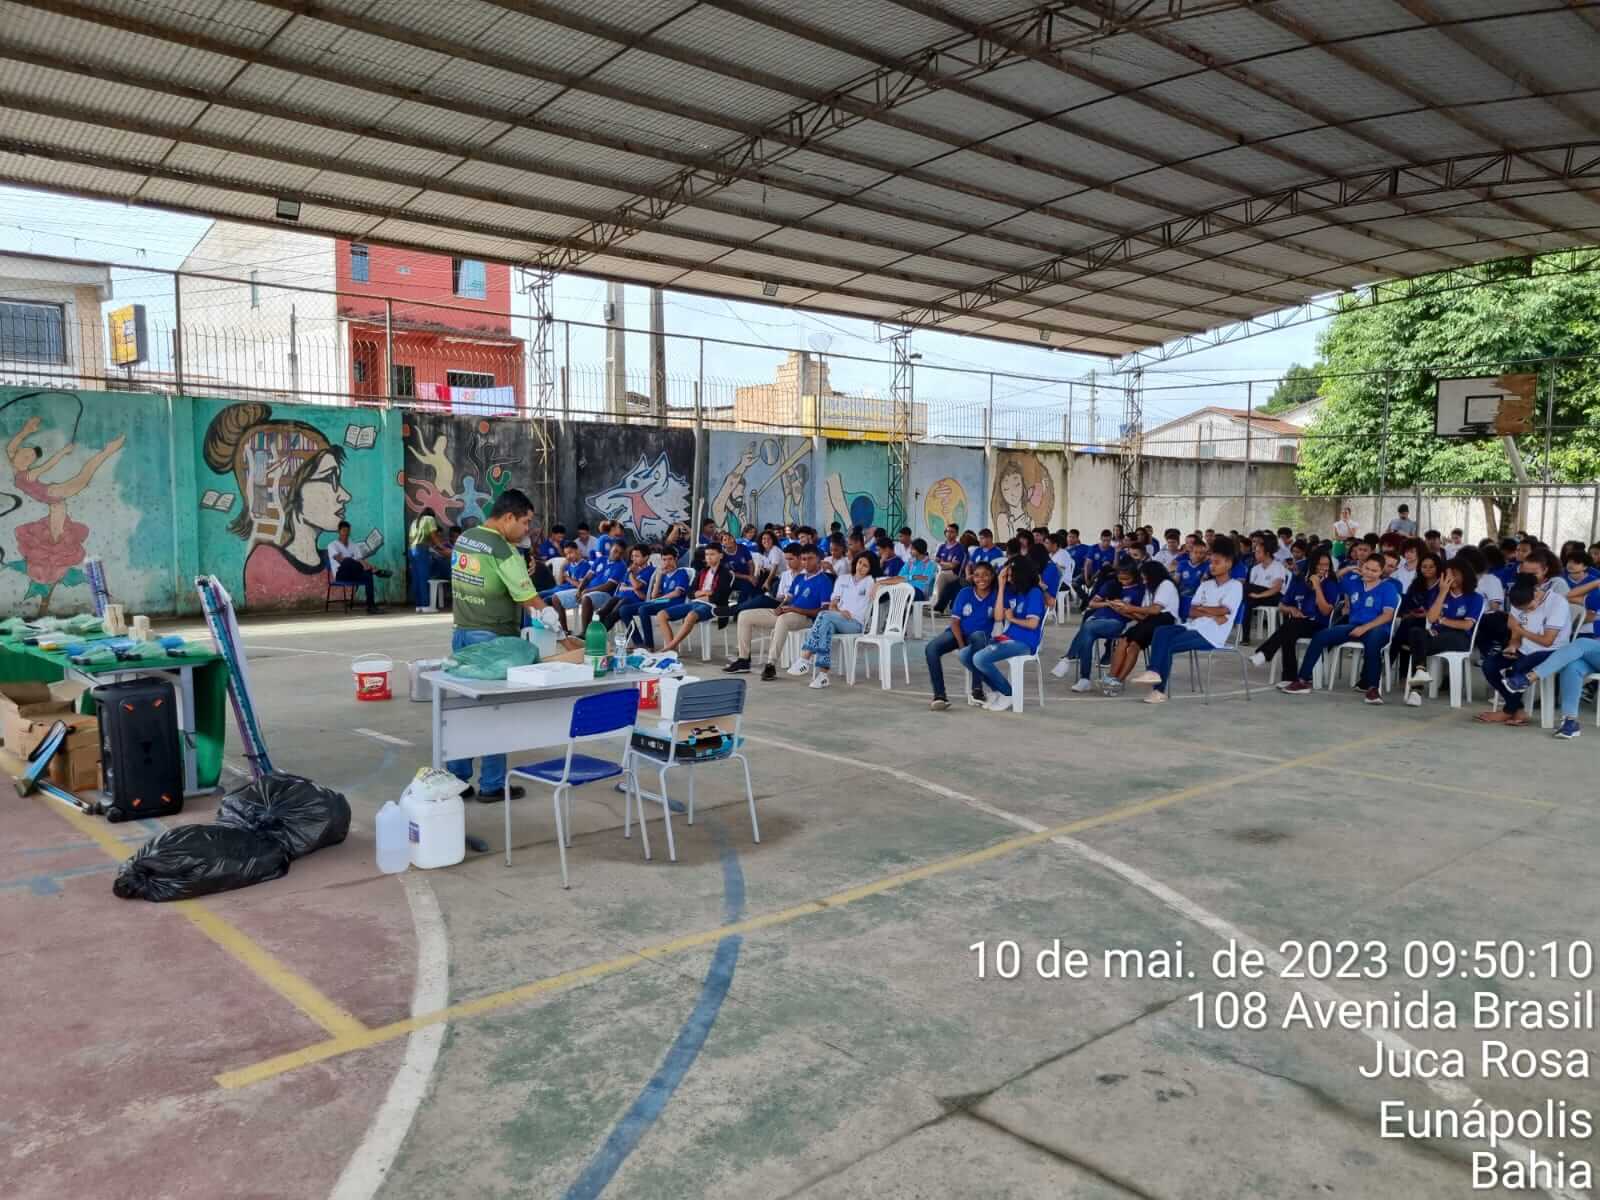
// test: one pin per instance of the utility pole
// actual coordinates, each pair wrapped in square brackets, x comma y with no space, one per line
[658,354]
[616,352]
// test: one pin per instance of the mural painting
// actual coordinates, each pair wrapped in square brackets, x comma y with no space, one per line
[757,480]
[946,486]
[280,484]
[1023,492]
[855,486]
[69,493]
[632,474]
[455,466]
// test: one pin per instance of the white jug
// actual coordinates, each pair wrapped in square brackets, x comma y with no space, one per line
[394,851]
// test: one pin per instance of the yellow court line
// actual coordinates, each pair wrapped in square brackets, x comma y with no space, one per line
[259,961]
[495,1001]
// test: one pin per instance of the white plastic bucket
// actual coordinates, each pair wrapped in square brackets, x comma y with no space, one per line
[437,830]
[421,689]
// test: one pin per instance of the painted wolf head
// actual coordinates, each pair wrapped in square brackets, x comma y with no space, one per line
[648,500]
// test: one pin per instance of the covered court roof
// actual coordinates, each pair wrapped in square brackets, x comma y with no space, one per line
[1099,176]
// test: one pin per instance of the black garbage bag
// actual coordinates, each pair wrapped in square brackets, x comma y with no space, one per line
[294,812]
[197,860]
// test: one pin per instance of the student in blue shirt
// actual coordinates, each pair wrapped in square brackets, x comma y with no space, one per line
[971,622]
[550,547]
[668,587]
[708,534]
[1418,597]
[951,559]
[1453,611]
[1307,605]
[1583,586]
[889,564]
[919,570]
[986,551]
[1020,604]
[578,569]
[1097,558]
[809,593]
[741,564]
[1101,622]
[631,591]
[1373,603]
[603,580]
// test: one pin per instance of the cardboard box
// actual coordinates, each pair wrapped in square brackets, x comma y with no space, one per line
[27,712]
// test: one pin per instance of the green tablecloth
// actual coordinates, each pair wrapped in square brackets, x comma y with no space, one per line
[29,664]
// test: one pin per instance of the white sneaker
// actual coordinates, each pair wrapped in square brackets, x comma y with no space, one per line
[1156,698]
[1413,699]
[1061,668]
[999,703]
[1083,685]
[1258,659]
[819,680]
[976,702]
[1146,677]
[800,666]
[1421,675]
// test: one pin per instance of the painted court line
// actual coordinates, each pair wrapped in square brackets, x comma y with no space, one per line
[383,737]
[297,991]
[364,1173]
[496,1001]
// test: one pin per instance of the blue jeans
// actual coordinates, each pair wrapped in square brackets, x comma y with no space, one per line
[1571,663]
[1498,665]
[819,638]
[1169,642]
[492,776]
[1091,631]
[425,565]
[983,661]
[564,595]
[358,575]
[1372,644]
[942,645]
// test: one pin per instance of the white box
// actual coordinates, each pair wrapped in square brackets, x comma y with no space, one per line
[669,695]
[551,674]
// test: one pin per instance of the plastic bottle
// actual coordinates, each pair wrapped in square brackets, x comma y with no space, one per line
[594,646]
[394,846]
[620,662]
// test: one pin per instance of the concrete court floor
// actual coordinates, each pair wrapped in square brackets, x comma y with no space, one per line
[801,1017]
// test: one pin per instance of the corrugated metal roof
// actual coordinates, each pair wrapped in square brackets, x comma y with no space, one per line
[1047,173]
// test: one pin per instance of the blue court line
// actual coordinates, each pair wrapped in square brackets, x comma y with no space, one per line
[49,883]
[652,1101]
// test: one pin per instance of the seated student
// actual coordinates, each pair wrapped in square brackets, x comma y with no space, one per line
[1299,553]
[550,545]
[577,573]
[1350,565]
[609,533]
[741,565]
[919,570]
[1406,569]
[769,558]
[626,598]
[1373,601]
[1212,613]
[1268,577]
[1077,552]
[902,543]
[1019,602]
[1570,665]
[1101,622]
[836,556]
[1055,543]
[708,595]
[1538,621]
[348,565]
[1432,543]
[1050,572]
[855,543]
[600,585]
[971,622]
[1171,551]
[889,563]
[1307,605]
[1417,599]
[1454,608]
[798,595]
[1452,547]
[847,611]
[708,535]
[1191,569]
[1583,587]
[980,549]
[1285,547]
[951,557]
[1155,609]
[987,551]
[774,586]
[669,587]
[583,539]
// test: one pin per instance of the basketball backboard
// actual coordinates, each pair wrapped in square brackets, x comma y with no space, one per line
[1487,406]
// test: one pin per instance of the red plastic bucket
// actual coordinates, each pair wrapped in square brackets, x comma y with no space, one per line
[372,678]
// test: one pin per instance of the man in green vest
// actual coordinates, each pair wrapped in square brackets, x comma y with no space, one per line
[490,588]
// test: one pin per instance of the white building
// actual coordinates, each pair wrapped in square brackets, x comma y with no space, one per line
[51,331]
[1230,433]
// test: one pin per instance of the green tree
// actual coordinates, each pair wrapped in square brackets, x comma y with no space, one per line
[1403,347]
[1298,385]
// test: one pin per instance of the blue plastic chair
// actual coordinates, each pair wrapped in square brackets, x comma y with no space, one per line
[702,701]
[595,716]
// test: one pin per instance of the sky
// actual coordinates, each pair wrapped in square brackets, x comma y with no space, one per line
[950,370]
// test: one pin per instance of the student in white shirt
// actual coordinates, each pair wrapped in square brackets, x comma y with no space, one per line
[847,612]
[902,544]
[1268,578]
[1539,623]
[1453,546]
[1169,553]
[348,567]
[1156,609]
[1211,615]
[1285,544]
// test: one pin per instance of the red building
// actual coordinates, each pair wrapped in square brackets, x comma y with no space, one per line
[452,335]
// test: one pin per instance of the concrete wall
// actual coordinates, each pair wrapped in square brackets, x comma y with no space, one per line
[854,486]
[1024,490]
[273,486]
[634,474]
[754,479]
[455,467]
[947,484]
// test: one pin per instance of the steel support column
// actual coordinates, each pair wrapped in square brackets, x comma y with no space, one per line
[1130,454]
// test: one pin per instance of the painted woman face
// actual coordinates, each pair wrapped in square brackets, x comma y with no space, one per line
[1012,488]
[322,497]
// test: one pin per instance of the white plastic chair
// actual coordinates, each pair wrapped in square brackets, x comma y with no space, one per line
[1543,697]
[1204,688]
[1268,622]
[888,631]
[1459,664]
[1356,652]
[1595,679]
[1018,668]
[919,615]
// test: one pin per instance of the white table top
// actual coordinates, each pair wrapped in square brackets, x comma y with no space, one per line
[489,689]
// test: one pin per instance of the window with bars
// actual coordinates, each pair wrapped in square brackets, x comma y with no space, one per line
[402,380]
[469,278]
[360,263]
[468,379]
[33,332]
